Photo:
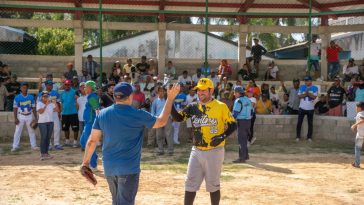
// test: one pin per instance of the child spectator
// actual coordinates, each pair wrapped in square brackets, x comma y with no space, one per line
[359,139]
[274,98]
[251,138]
[283,104]
[321,107]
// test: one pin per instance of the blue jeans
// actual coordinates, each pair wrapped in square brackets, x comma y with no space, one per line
[334,68]
[358,146]
[314,64]
[46,131]
[123,188]
[83,141]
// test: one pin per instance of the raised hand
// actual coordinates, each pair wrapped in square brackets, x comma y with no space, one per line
[173,91]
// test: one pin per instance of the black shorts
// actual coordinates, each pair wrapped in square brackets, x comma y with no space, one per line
[70,120]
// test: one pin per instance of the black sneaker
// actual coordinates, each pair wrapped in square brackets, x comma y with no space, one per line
[160,153]
[354,165]
[238,161]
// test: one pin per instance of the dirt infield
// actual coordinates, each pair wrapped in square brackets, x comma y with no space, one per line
[280,173]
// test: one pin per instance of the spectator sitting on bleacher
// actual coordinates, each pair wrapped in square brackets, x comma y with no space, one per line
[114,76]
[321,107]
[75,83]
[142,68]
[335,99]
[244,74]
[264,88]
[92,67]
[274,98]
[253,88]
[129,69]
[184,78]
[206,69]
[272,72]
[70,72]
[153,68]
[13,87]
[192,96]
[350,70]
[224,69]
[225,97]
[214,78]
[196,77]
[170,70]
[264,105]
[85,76]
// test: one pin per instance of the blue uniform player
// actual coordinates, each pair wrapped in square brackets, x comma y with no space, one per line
[24,110]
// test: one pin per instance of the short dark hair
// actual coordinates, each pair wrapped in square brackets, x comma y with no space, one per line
[185,72]
[360,104]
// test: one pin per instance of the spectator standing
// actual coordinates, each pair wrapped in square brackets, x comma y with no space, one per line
[75,83]
[119,70]
[49,76]
[350,70]
[3,95]
[272,72]
[69,113]
[179,104]
[264,105]
[294,100]
[153,68]
[13,88]
[89,116]
[321,107]
[351,89]
[54,97]
[225,69]
[163,133]
[283,104]
[91,67]
[197,76]
[335,96]
[107,98]
[307,94]
[70,72]
[4,71]
[257,52]
[206,70]
[244,73]
[81,105]
[85,76]
[24,114]
[359,92]
[315,52]
[332,54]
[192,96]
[138,97]
[46,108]
[242,113]
[214,78]
[359,139]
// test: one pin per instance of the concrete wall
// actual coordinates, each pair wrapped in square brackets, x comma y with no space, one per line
[33,66]
[267,127]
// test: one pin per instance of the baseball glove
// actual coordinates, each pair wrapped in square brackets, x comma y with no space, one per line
[88,174]
[34,124]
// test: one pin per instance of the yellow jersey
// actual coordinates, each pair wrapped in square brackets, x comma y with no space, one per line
[208,121]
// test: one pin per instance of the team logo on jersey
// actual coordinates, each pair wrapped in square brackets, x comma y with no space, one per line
[203,121]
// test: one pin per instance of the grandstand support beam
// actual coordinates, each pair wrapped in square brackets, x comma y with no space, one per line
[78,31]
[325,42]
[243,32]
[161,52]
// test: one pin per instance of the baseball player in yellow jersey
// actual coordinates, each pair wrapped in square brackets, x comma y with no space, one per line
[212,123]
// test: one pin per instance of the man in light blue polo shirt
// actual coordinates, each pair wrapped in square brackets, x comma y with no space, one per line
[122,127]
[242,112]
[307,94]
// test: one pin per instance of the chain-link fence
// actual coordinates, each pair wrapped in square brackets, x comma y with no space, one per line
[117,30]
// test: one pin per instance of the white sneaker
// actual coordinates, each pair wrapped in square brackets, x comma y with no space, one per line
[75,144]
[14,149]
[309,140]
[297,139]
[253,140]
[177,143]
[35,148]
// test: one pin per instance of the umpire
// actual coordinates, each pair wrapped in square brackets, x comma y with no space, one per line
[212,123]
[122,128]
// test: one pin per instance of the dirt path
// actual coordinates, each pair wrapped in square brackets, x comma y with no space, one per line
[266,179]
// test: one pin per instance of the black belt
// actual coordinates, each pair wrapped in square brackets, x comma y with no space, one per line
[26,114]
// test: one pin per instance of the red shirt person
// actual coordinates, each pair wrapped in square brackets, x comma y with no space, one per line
[138,97]
[333,59]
